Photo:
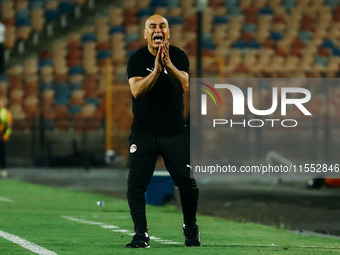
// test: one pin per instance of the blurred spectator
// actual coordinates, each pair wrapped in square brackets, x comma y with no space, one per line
[5,132]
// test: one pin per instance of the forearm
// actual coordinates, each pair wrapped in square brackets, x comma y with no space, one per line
[178,78]
[140,85]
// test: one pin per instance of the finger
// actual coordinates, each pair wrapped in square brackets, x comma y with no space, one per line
[166,51]
[164,47]
[159,52]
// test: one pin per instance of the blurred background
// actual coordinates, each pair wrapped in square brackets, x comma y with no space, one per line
[65,78]
[66,85]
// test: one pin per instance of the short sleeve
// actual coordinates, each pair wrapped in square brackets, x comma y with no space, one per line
[134,68]
[181,61]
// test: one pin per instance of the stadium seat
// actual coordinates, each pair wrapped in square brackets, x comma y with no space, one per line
[289,4]
[22,18]
[65,7]
[142,12]
[171,4]
[51,15]
[74,109]
[266,10]
[158,3]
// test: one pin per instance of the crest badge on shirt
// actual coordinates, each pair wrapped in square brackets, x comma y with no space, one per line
[133,148]
[151,69]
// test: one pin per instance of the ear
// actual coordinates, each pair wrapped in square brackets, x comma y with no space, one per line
[144,34]
[169,34]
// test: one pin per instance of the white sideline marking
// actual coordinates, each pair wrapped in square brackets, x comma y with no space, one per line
[26,244]
[272,245]
[82,221]
[117,229]
[121,231]
[109,226]
[4,199]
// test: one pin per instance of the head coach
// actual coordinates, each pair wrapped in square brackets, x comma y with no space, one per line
[158,77]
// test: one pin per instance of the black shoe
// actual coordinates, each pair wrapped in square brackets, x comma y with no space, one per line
[139,240]
[192,236]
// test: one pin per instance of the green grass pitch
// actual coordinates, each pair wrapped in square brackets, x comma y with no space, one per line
[70,222]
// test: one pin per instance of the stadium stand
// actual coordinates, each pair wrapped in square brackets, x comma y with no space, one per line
[241,38]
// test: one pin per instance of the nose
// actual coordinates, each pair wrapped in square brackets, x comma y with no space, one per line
[158,28]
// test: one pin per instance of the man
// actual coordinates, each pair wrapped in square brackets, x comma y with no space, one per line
[5,132]
[158,77]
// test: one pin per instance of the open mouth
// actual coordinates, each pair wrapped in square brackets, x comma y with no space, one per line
[158,38]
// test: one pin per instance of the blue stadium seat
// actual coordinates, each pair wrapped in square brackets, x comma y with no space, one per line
[276,36]
[23,18]
[175,20]
[62,93]
[231,3]
[92,100]
[322,61]
[103,54]
[51,15]
[90,37]
[38,4]
[235,11]
[238,44]
[305,36]
[332,3]
[60,88]
[73,109]
[253,44]
[45,86]
[251,28]
[336,52]
[172,3]
[328,43]
[158,3]
[289,4]
[220,20]
[61,100]
[266,10]
[75,86]
[116,29]
[142,12]
[45,62]
[76,70]
[65,7]
[3,77]
[132,37]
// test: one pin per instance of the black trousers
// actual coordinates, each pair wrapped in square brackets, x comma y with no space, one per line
[144,150]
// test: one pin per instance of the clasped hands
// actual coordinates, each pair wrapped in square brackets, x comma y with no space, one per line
[162,57]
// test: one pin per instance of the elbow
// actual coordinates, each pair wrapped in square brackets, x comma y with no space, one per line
[134,94]
[185,86]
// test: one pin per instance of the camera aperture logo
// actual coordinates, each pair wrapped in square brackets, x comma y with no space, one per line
[302,96]
[204,97]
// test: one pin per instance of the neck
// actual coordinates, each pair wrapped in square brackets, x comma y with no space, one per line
[152,50]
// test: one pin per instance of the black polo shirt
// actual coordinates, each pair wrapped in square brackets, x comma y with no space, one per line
[160,110]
